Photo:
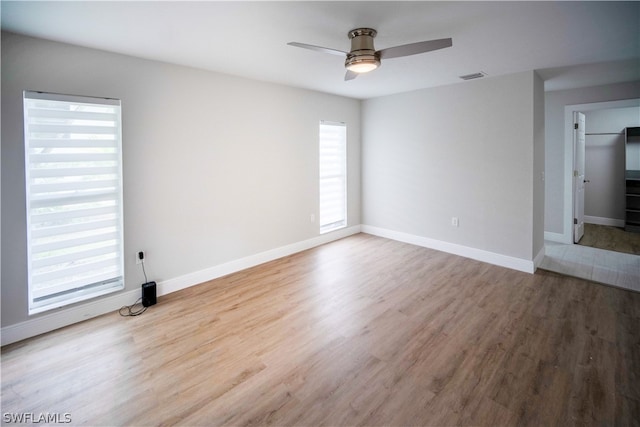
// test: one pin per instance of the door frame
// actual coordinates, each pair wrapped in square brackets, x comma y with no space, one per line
[578,178]
[569,155]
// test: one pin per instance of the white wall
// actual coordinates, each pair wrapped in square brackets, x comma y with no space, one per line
[216,168]
[555,162]
[465,151]
[604,163]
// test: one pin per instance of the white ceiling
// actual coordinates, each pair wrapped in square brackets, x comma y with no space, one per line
[571,44]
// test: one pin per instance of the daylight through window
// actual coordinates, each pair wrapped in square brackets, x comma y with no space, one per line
[73,158]
[333,176]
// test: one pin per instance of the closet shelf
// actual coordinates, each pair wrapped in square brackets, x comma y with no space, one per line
[632,179]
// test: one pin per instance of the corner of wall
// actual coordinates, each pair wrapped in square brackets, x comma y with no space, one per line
[500,260]
[538,165]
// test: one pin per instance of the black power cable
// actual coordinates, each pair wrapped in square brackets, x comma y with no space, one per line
[128,309]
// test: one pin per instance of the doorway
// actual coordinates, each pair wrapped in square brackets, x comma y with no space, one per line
[568,205]
[562,255]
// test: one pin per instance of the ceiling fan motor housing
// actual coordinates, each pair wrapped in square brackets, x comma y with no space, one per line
[362,50]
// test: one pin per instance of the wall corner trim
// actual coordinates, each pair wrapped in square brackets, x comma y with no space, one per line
[513,263]
[557,237]
[537,260]
[74,314]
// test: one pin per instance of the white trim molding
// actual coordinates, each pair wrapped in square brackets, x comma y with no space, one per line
[182,282]
[604,221]
[67,316]
[527,266]
[77,313]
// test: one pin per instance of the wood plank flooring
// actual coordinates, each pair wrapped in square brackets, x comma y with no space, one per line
[362,331]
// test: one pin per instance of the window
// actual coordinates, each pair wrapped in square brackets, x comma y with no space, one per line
[333,176]
[73,169]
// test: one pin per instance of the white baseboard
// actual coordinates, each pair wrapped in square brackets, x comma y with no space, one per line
[182,282]
[77,313]
[514,263]
[65,317]
[604,221]
[538,258]
[567,239]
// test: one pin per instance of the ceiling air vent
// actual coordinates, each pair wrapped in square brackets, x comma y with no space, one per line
[473,76]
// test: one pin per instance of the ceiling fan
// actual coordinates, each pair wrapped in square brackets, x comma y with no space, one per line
[364,58]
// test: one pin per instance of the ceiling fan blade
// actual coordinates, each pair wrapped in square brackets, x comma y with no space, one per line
[350,75]
[414,48]
[318,48]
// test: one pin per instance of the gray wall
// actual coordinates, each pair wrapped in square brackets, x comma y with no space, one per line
[604,161]
[464,150]
[538,165]
[554,141]
[216,167]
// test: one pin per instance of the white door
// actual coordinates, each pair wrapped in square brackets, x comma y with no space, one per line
[578,176]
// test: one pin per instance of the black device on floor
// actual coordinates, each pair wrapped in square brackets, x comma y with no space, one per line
[148,294]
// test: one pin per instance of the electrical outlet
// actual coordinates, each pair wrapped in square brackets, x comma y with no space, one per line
[140,255]
[454,221]
[312,217]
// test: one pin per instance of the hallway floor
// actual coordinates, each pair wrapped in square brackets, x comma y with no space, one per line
[611,239]
[607,267]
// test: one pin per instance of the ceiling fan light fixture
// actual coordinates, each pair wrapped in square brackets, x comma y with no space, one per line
[362,64]
[363,57]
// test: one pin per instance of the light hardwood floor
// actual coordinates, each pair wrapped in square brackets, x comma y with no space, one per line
[362,331]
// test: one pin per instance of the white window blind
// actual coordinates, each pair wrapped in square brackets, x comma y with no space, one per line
[73,156]
[333,176]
